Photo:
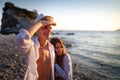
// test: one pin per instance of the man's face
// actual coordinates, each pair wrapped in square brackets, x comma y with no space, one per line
[45,32]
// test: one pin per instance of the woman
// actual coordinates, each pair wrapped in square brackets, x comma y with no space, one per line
[63,64]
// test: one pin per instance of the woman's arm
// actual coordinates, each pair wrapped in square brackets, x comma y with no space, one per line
[60,72]
[67,66]
[66,71]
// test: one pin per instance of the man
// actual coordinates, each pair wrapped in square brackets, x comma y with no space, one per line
[39,51]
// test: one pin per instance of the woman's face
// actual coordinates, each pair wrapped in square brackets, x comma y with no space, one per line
[58,48]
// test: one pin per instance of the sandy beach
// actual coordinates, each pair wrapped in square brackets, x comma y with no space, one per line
[12,65]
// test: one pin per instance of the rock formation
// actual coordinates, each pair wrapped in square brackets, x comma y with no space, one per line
[15,18]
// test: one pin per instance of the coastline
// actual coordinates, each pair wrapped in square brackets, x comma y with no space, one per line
[12,62]
[13,66]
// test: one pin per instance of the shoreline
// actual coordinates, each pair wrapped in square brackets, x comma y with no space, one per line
[13,63]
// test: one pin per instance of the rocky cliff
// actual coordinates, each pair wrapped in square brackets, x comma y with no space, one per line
[15,18]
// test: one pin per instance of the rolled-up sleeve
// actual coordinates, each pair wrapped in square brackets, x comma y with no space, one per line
[23,40]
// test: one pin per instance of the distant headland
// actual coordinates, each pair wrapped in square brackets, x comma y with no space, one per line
[14,18]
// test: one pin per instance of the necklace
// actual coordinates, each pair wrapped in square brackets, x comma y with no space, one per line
[43,46]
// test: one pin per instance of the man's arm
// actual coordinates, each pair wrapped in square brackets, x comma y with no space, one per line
[33,29]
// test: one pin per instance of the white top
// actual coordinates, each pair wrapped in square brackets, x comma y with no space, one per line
[30,48]
[66,71]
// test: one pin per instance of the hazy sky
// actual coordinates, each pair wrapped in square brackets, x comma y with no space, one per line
[76,14]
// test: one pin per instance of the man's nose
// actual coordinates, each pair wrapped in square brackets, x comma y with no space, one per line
[49,28]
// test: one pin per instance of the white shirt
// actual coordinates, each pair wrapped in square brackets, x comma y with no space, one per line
[30,48]
[66,71]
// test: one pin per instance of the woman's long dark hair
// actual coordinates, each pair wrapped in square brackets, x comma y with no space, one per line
[56,40]
[59,59]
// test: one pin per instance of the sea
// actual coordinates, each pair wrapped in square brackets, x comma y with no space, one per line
[97,52]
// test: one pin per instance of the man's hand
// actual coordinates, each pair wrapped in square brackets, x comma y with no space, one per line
[46,23]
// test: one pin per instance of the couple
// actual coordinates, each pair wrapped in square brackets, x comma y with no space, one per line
[45,61]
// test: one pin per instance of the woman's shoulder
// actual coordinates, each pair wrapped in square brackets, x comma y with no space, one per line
[67,55]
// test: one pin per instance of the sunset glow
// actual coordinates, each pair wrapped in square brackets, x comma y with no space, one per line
[77,14]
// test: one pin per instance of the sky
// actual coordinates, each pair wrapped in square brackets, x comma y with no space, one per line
[100,15]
